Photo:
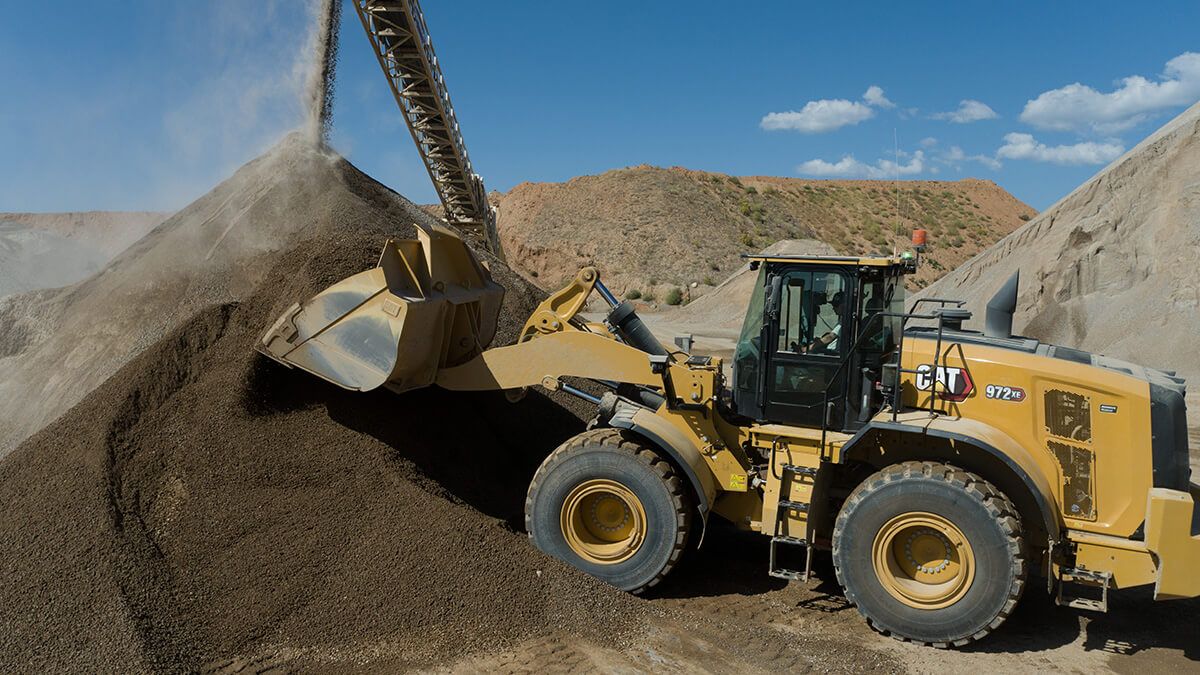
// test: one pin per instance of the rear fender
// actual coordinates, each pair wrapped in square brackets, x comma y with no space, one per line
[1030,475]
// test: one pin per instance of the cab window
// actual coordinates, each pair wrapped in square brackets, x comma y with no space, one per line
[809,319]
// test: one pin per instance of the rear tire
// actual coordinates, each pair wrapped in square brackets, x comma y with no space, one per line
[606,503]
[930,553]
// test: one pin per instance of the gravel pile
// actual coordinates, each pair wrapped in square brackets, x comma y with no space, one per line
[205,507]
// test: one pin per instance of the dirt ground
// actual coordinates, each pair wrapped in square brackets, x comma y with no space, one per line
[725,584]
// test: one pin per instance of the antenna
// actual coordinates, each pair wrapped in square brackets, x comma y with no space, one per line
[896,145]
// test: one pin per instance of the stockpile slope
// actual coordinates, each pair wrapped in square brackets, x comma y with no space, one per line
[1113,266]
[57,346]
[650,228]
[48,250]
[208,508]
[108,231]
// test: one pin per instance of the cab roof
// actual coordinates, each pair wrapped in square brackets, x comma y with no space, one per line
[839,261]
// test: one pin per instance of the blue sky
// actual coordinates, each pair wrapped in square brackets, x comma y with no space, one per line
[147,105]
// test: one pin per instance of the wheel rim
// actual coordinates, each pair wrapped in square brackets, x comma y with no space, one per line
[603,521]
[923,560]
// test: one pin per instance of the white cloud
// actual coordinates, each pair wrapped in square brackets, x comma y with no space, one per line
[1024,146]
[969,110]
[1078,107]
[818,117]
[849,167]
[874,97]
[928,142]
[955,156]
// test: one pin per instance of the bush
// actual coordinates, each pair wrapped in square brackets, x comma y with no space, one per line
[674,296]
[708,280]
[745,208]
[1025,217]
[648,297]
[633,294]
[748,240]
[752,190]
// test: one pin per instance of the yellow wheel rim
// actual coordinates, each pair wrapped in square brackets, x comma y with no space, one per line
[923,560]
[603,521]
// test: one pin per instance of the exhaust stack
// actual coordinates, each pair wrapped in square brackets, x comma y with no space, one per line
[999,318]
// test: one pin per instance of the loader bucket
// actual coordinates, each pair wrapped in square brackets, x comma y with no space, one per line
[428,304]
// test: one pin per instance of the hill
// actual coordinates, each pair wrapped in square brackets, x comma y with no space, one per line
[1112,267]
[650,228]
[48,250]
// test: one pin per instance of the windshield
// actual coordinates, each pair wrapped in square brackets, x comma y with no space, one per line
[745,356]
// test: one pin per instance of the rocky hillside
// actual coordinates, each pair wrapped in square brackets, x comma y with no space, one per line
[651,229]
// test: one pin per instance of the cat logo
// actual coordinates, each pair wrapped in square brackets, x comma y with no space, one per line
[954,383]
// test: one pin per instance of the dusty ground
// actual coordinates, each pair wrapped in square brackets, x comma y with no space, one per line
[725,582]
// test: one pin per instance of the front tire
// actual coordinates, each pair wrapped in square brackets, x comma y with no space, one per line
[606,503]
[930,553]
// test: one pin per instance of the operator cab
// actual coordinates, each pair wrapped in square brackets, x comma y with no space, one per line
[817,332]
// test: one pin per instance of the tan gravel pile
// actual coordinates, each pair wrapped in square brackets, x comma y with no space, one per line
[1113,267]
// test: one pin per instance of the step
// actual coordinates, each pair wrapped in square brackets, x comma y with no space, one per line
[790,575]
[794,541]
[802,507]
[1084,579]
[802,470]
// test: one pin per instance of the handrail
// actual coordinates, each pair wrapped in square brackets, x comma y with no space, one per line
[899,352]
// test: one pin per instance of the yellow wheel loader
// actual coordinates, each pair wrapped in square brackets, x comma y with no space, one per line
[941,466]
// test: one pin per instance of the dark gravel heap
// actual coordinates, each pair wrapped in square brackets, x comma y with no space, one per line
[206,507]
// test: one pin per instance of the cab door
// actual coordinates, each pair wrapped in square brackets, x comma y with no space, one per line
[801,362]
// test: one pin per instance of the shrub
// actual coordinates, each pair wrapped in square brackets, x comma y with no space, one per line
[648,297]
[745,208]
[748,240]
[735,181]
[1025,217]
[708,280]
[752,190]
[674,296]
[633,294]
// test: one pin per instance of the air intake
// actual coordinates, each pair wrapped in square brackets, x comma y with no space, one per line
[998,322]
[953,317]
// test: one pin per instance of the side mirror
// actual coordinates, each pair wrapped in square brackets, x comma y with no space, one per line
[774,292]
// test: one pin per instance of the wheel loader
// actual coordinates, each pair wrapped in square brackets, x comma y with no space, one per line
[944,468]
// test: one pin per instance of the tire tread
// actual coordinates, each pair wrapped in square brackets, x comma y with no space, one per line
[623,442]
[979,489]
